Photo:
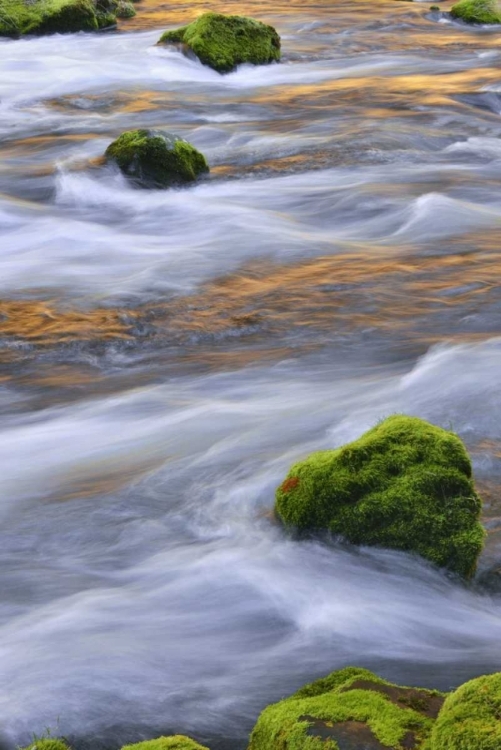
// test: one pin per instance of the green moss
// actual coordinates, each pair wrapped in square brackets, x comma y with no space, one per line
[477,11]
[223,42]
[125,9]
[405,485]
[47,743]
[351,705]
[175,742]
[471,717]
[19,17]
[153,158]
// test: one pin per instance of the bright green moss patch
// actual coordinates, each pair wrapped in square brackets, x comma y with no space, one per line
[175,742]
[477,11]
[153,158]
[471,717]
[405,485]
[223,42]
[349,709]
[19,17]
[47,743]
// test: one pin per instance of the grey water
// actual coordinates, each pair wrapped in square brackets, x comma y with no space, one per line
[145,587]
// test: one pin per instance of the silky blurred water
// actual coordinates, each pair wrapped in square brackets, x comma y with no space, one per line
[340,264]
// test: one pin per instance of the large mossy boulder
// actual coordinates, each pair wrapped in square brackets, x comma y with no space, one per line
[154,158]
[18,17]
[174,742]
[471,717]
[404,485]
[349,710]
[223,42]
[477,11]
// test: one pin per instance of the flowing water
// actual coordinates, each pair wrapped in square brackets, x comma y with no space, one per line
[165,356]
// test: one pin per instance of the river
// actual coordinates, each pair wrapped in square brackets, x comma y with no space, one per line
[165,356]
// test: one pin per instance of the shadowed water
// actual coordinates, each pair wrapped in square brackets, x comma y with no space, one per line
[165,356]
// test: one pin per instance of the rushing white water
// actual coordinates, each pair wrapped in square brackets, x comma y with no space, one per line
[144,586]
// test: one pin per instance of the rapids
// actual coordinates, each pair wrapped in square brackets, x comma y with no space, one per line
[340,264]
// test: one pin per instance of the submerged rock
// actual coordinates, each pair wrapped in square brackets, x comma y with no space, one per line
[174,742]
[19,17]
[470,717]
[477,11]
[223,42]
[350,709]
[406,484]
[154,158]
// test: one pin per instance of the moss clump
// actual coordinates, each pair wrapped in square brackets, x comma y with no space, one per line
[19,17]
[471,717]
[349,709]
[477,11]
[223,42]
[153,158]
[405,484]
[175,742]
[125,9]
[48,743]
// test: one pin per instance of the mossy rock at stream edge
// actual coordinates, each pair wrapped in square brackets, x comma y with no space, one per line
[175,742]
[154,158]
[348,710]
[48,743]
[223,42]
[471,717]
[18,17]
[405,484]
[477,11]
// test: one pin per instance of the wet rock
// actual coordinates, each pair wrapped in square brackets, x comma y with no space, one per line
[404,485]
[350,709]
[18,17]
[125,9]
[223,42]
[470,717]
[154,158]
[477,11]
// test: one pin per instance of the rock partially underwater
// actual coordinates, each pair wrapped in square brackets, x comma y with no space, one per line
[223,42]
[477,11]
[156,159]
[406,484]
[350,709]
[18,17]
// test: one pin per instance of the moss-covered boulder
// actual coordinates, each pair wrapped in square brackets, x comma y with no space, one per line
[223,42]
[405,485]
[348,710]
[471,717]
[174,742]
[125,9]
[477,11]
[153,158]
[18,17]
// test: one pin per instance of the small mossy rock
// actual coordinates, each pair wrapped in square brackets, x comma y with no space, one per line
[406,484]
[48,743]
[18,17]
[125,9]
[175,742]
[471,717]
[477,11]
[153,158]
[223,42]
[348,710]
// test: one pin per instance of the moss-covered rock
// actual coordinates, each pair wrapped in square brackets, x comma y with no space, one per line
[477,11]
[223,42]
[153,158]
[125,9]
[405,485]
[471,717]
[350,709]
[175,742]
[19,17]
